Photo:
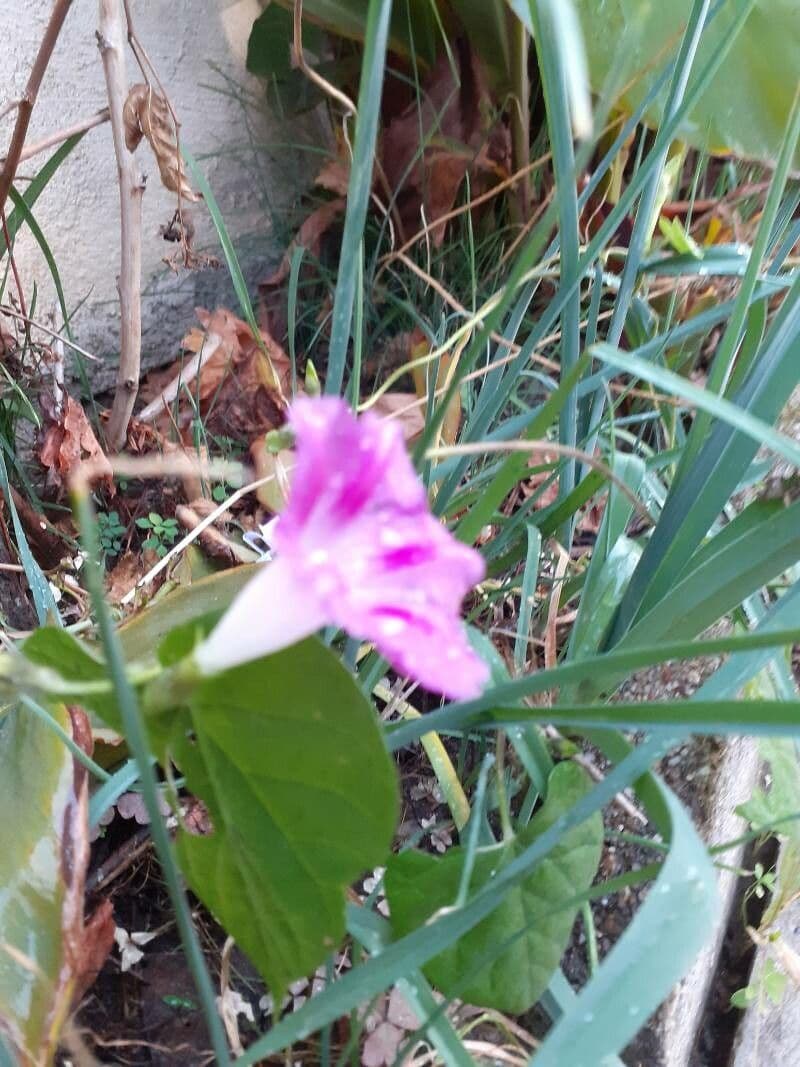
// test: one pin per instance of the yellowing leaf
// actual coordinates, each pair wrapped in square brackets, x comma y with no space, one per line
[46,952]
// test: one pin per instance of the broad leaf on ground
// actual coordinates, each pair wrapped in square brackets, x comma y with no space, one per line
[531,921]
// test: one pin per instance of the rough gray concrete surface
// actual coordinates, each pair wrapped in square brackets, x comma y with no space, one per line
[735,775]
[770,1033]
[198,48]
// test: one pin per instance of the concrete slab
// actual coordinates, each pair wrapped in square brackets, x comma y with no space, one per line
[769,1033]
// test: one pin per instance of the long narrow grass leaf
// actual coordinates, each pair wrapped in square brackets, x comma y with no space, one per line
[369,102]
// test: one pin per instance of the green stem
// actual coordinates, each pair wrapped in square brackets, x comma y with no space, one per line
[137,742]
[53,724]
[502,794]
[591,937]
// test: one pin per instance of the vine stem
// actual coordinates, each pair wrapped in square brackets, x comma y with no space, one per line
[111,41]
[136,737]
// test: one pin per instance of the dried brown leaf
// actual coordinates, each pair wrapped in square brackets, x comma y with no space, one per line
[69,442]
[272,495]
[334,176]
[380,1048]
[241,390]
[405,409]
[309,236]
[123,577]
[428,149]
[419,347]
[146,114]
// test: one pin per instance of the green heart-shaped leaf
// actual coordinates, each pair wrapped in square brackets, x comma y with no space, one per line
[288,756]
[507,960]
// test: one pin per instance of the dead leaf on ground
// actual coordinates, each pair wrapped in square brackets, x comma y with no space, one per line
[386,1032]
[310,234]
[240,389]
[132,806]
[70,441]
[143,439]
[334,176]
[405,409]
[124,575]
[424,154]
[380,1048]
[419,347]
[450,122]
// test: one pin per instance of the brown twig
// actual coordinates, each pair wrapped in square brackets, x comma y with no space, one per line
[185,376]
[28,99]
[27,321]
[59,136]
[310,73]
[111,40]
[119,861]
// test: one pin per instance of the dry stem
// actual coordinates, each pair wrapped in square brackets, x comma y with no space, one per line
[111,40]
[59,136]
[25,104]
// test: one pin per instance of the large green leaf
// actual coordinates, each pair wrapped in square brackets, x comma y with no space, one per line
[745,108]
[43,853]
[508,959]
[288,757]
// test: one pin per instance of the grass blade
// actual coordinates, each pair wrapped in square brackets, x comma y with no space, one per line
[680,911]
[43,599]
[611,666]
[358,191]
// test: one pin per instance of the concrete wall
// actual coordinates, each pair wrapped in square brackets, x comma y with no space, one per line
[199,48]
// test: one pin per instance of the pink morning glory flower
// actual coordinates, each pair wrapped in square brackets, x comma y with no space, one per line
[357,547]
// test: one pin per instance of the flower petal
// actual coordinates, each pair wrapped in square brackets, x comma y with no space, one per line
[344,467]
[399,581]
[357,546]
[432,651]
[272,612]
